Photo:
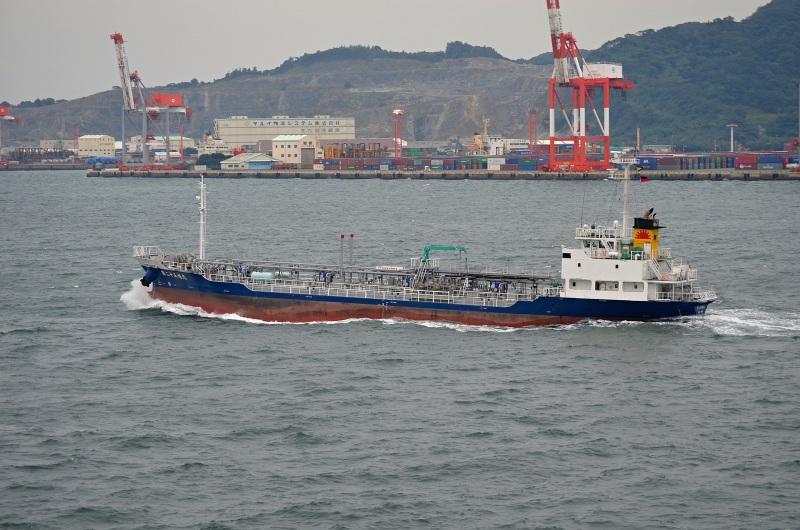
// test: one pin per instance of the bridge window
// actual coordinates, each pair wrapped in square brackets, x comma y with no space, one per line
[606,286]
[580,285]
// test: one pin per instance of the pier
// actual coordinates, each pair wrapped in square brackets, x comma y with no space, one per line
[469,174]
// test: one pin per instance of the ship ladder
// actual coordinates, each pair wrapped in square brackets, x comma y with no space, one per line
[420,274]
[655,270]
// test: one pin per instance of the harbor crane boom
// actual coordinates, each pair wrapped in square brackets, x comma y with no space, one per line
[124,73]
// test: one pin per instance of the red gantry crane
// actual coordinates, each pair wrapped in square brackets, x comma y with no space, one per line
[150,105]
[4,117]
[572,71]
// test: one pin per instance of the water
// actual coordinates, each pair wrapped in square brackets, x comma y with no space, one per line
[118,412]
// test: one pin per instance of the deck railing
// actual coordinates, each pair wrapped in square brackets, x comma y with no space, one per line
[147,252]
[694,295]
[375,292]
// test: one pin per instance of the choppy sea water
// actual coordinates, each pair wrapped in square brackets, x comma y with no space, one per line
[120,412]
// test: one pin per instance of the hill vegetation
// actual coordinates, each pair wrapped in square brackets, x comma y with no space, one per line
[454,50]
[691,80]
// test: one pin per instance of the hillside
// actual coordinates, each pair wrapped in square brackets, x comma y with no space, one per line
[442,98]
[691,80]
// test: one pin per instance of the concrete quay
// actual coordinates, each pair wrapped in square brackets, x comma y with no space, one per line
[469,174]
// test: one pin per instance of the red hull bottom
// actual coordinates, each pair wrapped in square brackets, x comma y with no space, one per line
[278,310]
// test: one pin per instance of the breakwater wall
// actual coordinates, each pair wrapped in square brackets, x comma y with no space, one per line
[474,174]
[44,167]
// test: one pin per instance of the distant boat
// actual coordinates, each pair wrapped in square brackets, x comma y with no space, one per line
[616,272]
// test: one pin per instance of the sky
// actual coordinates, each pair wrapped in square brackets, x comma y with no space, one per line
[63,50]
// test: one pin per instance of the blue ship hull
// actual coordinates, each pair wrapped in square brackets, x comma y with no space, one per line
[234,298]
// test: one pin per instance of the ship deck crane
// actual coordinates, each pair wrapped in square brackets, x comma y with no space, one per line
[570,70]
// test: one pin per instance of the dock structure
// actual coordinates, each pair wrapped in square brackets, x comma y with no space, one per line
[468,174]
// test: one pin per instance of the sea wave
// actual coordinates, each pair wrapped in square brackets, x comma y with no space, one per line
[751,323]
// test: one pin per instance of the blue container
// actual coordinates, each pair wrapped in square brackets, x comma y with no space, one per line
[648,162]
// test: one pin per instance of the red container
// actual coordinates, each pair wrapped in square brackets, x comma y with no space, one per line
[746,165]
[509,167]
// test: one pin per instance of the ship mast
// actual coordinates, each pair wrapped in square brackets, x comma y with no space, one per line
[202,199]
[625,162]
[626,179]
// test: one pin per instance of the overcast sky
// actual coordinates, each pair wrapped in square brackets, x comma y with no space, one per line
[61,49]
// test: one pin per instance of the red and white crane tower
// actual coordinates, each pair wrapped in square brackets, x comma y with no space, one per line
[150,105]
[398,133]
[572,71]
[4,117]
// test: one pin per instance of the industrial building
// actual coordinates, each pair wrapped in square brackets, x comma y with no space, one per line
[56,144]
[249,161]
[246,132]
[296,149]
[91,145]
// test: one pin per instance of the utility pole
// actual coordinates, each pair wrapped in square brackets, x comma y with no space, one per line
[731,126]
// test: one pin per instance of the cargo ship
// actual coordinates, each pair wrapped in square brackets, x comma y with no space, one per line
[617,272]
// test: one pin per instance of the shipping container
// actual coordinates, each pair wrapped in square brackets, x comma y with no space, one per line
[669,163]
[495,163]
[770,165]
[648,162]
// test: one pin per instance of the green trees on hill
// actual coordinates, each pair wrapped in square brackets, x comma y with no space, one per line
[33,104]
[454,50]
[693,79]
